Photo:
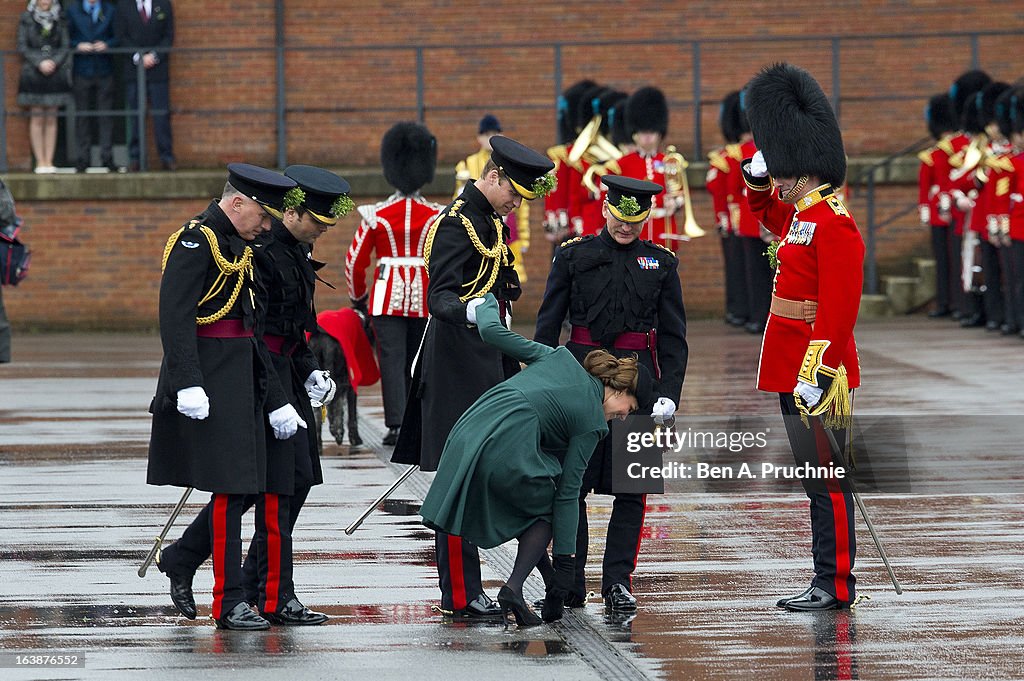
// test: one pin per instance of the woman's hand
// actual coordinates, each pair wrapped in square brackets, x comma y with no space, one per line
[47,66]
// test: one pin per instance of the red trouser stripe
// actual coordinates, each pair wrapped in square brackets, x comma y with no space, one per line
[273,552]
[455,572]
[839,518]
[639,536]
[220,540]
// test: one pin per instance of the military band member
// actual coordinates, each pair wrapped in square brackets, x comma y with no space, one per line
[1000,173]
[934,201]
[723,167]
[647,122]
[1015,216]
[209,428]
[808,355]
[621,294]
[286,274]
[396,229]
[467,256]
[518,221]
[556,204]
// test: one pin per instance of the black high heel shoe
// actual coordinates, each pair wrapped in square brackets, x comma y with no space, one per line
[510,602]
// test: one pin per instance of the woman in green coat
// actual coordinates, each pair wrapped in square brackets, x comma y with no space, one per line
[513,464]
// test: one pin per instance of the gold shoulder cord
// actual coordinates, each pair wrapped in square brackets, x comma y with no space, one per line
[497,255]
[241,266]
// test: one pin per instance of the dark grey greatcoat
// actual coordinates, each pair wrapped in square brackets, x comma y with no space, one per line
[224,453]
[285,273]
[455,366]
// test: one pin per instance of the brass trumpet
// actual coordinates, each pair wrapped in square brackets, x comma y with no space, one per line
[598,170]
[676,182]
[593,147]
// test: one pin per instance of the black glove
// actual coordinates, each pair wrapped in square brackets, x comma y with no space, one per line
[558,590]
[507,285]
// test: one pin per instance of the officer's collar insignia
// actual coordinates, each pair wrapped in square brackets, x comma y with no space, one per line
[646,262]
[190,244]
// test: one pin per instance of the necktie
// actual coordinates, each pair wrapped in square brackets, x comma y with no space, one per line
[143,13]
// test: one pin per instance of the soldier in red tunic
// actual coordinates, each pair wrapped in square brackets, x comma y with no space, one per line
[556,204]
[808,354]
[1015,215]
[934,201]
[396,229]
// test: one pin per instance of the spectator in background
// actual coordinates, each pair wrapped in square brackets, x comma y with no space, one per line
[148,26]
[91,25]
[45,76]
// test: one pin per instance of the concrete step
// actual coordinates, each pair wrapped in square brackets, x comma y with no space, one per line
[901,292]
[926,274]
[874,307]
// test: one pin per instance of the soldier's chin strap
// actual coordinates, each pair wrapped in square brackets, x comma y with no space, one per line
[792,195]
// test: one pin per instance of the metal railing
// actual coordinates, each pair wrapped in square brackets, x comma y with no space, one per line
[697,49]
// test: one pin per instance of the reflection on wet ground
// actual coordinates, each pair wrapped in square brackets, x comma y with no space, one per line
[76,521]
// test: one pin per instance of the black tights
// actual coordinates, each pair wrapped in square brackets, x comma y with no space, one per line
[533,543]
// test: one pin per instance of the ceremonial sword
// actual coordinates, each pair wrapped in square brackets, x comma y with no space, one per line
[837,453]
[167,528]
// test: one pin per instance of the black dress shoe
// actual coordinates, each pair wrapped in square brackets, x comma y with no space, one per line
[941,312]
[242,618]
[992,326]
[391,439]
[295,614]
[514,603]
[573,600]
[481,607]
[619,599]
[815,599]
[956,315]
[754,327]
[181,593]
[781,603]
[169,165]
[972,321]
[1009,329]
[735,320]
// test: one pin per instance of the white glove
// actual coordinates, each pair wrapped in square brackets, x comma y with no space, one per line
[808,393]
[925,215]
[193,402]
[471,307]
[964,203]
[663,407]
[285,421]
[757,167]
[320,387]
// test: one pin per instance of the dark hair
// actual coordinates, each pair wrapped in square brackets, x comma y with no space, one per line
[616,373]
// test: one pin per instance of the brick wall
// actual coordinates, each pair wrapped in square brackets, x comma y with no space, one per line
[97,264]
[344,88]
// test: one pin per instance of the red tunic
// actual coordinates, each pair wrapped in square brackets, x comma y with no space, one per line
[1001,173]
[556,203]
[749,225]
[718,185]
[933,181]
[1017,199]
[396,230]
[821,258]
[652,169]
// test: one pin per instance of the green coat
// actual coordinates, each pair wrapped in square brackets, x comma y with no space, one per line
[518,454]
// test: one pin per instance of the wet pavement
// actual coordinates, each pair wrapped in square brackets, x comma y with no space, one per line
[76,520]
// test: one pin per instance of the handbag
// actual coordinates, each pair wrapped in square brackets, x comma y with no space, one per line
[15,257]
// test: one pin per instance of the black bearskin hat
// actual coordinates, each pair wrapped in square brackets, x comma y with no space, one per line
[794,125]
[647,110]
[568,110]
[408,154]
[964,88]
[617,116]
[607,102]
[940,116]
[1017,110]
[987,105]
[971,120]
[589,105]
[729,117]
[1004,107]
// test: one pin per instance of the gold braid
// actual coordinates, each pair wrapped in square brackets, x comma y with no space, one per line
[241,266]
[497,254]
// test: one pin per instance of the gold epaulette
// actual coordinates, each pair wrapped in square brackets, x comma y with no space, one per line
[837,206]
[664,248]
[717,159]
[570,242]
[926,156]
[1000,162]
[558,153]
[734,151]
[946,144]
[957,160]
[456,207]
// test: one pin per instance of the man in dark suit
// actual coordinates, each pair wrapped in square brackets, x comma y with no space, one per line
[92,33]
[148,26]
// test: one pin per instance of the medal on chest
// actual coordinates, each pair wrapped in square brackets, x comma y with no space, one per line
[646,262]
[801,233]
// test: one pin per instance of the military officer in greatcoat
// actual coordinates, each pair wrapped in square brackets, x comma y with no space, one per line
[467,257]
[396,230]
[216,391]
[808,355]
[622,294]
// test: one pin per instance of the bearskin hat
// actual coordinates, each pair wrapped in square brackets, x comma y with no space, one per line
[987,106]
[1017,110]
[971,121]
[729,117]
[568,110]
[940,116]
[589,105]
[794,125]
[408,154]
[964,88]
[617,116]
[647,110]
[606,104]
